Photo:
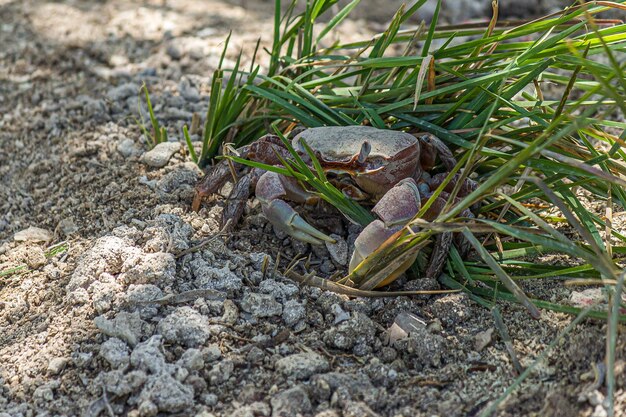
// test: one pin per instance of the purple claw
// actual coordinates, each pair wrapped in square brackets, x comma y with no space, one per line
[285,218]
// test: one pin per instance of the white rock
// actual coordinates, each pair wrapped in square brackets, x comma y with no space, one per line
[185,326]
[338,250]
[302,365]
[33,234]
[158,156]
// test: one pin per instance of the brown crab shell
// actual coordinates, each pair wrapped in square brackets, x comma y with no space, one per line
[393,156]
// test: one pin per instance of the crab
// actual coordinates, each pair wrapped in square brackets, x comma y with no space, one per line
[390,168]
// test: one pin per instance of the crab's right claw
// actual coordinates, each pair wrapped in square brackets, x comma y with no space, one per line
[285,218]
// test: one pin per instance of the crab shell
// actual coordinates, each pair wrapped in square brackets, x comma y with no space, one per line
[376,159]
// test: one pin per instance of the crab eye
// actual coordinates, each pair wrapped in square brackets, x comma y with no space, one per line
[366,148]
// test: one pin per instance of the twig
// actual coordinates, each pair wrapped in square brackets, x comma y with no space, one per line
[324,284]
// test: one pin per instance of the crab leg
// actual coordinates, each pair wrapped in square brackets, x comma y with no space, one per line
[263,150]
[270,190]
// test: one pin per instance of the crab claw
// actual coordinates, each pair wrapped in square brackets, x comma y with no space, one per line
[395,209]
[285,218]
[370,239]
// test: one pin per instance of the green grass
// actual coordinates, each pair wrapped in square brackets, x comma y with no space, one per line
[159,133]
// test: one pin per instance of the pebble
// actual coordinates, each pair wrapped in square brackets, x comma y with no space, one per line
[56,365]
[160,155]
[338,250]
[423,347]
[168,394]
[35,257]
[292,402]
[125,326]
[192,360]
[148,356]
[173,51]
[359,330]
[123,91]
[302,365]
[149,268]
[261,305]
[33,234]
[127,148]
[67,226]
[293,312]
[483,339]
[185,326]
[115,352]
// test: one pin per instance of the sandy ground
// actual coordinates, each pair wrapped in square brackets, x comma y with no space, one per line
[76,334]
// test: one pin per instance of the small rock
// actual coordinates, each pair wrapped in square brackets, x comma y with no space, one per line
[280,291]
[67,226]
[192,360]
[325,387]
[185,326]
[35,257]
[340,314]
[173,51]
[302,365]
[119,383]
[219,279]
[107,255]
[147,356]
[292,402]
[359,330]
[159,156]
[125,326]
[33,234]
[149,268]
[126,147]
[168,394]
[211,353]
[148,409]
[452,310]
[188,92]
[185,174]
[231,312]
[261,305]
[358,409]
[483,339]
[423,348]
[293,312]
[338,250]
[115,351]
[221,372]
[56,365]
[123,91]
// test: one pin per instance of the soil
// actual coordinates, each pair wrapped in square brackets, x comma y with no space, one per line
[77,335]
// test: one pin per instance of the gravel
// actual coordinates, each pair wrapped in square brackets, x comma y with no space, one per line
[99,328]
